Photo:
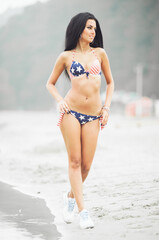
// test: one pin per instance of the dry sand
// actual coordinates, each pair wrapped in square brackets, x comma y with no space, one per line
[122,189]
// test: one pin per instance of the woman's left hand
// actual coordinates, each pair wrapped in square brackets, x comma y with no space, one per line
[105,114]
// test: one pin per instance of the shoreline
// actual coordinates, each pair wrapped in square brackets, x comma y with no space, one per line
[27,213]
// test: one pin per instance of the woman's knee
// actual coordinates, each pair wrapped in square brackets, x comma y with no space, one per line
[85,168]
[75,161]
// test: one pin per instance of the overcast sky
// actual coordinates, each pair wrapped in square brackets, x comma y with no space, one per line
[5,4]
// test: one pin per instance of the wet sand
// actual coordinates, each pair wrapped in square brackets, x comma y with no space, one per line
[27,213]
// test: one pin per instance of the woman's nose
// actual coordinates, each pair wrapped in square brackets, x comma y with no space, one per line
[93,31]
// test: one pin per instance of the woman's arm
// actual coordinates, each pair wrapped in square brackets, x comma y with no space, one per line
[108,76]
[56,72]
[59,66]
[110,85]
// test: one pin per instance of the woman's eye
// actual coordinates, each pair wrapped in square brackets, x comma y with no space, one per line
[91,28]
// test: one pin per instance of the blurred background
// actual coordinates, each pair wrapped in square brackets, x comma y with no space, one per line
[32,36]
[123,183]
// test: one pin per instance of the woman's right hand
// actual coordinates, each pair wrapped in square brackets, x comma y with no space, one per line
[63,106]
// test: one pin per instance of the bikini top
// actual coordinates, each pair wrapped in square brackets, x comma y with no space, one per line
[77,69]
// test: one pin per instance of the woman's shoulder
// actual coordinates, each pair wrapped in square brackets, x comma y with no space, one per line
[65,55]
[101,53]
[99,50]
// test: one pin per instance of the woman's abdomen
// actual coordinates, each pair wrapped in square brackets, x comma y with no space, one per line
[90,105]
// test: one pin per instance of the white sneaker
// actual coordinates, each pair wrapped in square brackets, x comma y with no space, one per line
[69,208]
[85,220]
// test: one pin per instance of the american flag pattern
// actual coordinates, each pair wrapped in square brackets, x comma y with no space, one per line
[77,69]
[82,118]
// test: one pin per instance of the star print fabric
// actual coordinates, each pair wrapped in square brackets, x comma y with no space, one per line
[83,118]
[77,69]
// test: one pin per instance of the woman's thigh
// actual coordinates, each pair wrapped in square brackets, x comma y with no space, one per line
[71,131]
[89,137]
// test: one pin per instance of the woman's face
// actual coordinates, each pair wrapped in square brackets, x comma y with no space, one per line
[89,32]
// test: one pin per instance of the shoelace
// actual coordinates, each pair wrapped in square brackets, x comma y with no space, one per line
[84,215]
[71,205]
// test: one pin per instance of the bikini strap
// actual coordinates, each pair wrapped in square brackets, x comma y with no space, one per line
[73,54]
[95,53]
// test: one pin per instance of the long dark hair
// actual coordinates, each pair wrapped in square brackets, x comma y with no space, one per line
[76,27]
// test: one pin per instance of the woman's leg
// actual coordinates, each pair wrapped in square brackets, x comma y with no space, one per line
[71,131]
[89,136]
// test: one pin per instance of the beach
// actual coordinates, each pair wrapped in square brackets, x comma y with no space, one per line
[122,188]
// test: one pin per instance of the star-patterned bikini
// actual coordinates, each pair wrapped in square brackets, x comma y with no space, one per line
[76,70]
[83,118]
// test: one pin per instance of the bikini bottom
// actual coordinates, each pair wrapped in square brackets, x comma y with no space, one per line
[82,118]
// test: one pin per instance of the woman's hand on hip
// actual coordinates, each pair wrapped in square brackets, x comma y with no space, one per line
[105,115]
[63,106]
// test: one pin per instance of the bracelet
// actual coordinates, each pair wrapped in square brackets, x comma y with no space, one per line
[106,108]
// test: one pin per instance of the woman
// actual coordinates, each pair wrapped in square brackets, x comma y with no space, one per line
[81,110]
